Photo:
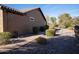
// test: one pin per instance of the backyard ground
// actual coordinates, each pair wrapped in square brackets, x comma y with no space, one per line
[64,43]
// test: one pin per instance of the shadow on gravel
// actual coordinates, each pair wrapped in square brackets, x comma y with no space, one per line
[16,41]
[56,45]
[64,45]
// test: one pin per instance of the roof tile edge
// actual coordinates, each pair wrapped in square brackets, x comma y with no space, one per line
[9,9]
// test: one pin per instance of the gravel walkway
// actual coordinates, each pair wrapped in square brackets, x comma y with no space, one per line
[17,43]
[64,43]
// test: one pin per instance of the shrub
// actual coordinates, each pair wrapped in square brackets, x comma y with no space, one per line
[41,40]
[43,28]
[50,32]
[14,34]
[70,28]
[35,30]
[46,27]
[5,37]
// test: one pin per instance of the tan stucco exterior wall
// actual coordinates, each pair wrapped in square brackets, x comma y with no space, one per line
[39,20]
[1,20]
[14,22]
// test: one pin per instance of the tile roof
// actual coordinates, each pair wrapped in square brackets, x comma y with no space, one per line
[21,12]
[27,10]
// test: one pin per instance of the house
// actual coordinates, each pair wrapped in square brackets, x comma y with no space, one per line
[22,21]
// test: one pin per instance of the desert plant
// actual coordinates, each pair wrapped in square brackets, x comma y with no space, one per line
[35,30]
[46,27]
[41,40]
[14,34]
[70,28]
[43,28]
[65,20]
[5,37]
[50,32]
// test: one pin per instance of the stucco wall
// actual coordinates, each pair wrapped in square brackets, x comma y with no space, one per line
[39,20]
[14,22]
[1,20]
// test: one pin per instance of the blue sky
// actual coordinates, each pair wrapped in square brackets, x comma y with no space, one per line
[51,9]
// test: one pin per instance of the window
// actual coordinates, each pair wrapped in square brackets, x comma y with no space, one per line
[32,18]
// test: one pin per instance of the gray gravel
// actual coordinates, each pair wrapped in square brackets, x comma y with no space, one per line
[64,43]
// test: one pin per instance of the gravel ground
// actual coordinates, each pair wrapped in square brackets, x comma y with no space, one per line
[64,43]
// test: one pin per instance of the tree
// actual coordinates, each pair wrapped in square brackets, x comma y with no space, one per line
[76,20]
[65,20]
[47,19]
[51,21]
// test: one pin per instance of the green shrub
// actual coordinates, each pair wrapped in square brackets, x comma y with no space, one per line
[43,28]
[46,27]
[14,34]
[50,32]
[35,30]
[5,37]
[41,40]
[70,28]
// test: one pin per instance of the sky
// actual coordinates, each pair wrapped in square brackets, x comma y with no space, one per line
[51,9]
